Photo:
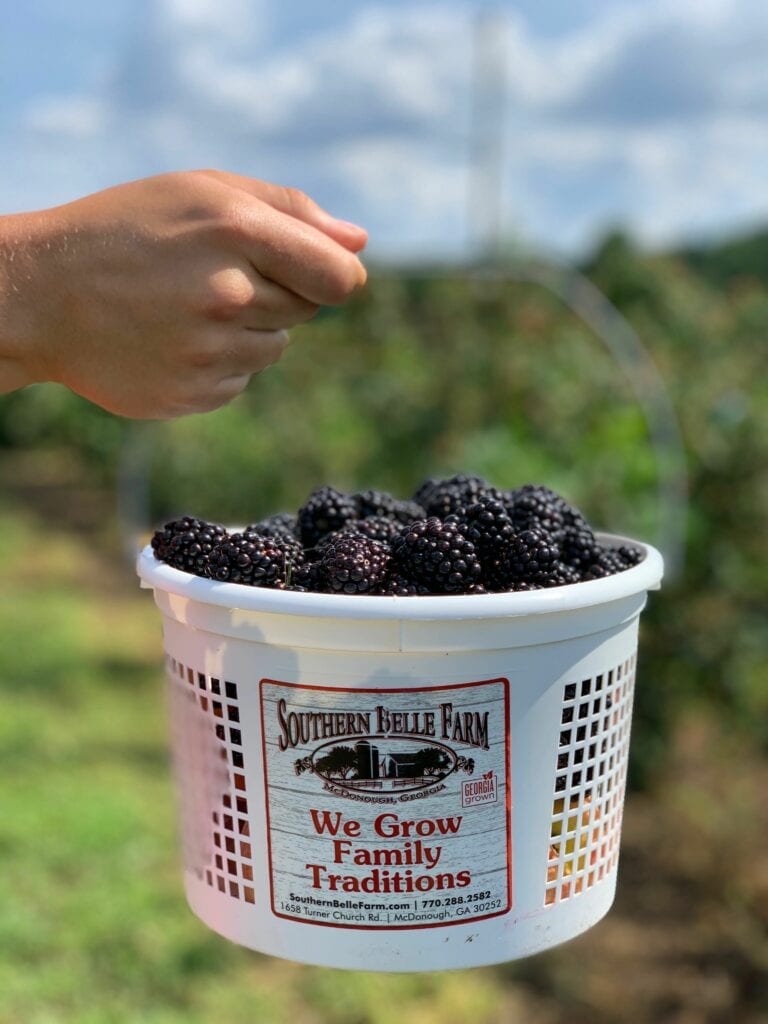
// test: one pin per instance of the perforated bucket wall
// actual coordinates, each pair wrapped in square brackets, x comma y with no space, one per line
[590,776]
[504,843]
[209,763]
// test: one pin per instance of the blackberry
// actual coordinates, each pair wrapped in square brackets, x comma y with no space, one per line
[377,528]
[533,507]
[488,526]
[438,555]
[276,532]
[250,559]
[423,492]
[562,575]
[353,564]
[316,553]
[324,511]
[398,585]
[383,505]
[579,546]
[407,511]
[598,571]
[187,543]
[282,522]
[609,561]
[531,557]
[630,554]
[442,497]
[520,585]
[303,577]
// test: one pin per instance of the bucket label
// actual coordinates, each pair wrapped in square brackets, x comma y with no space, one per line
[388,808]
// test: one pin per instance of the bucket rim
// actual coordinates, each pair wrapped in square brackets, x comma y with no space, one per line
[644,576]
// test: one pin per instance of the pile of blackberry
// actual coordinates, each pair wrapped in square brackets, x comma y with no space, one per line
[460,535]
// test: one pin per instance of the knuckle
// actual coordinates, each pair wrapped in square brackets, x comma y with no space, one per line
[227,294]
[236,219]
[296,201]
[203,357]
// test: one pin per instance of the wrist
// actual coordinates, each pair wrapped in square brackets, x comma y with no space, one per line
[22,246]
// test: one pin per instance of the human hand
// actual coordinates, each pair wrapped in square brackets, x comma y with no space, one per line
[163,296]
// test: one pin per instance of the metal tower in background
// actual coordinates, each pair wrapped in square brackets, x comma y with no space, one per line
[485,205]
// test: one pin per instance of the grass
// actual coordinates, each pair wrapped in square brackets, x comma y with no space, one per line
[94,928]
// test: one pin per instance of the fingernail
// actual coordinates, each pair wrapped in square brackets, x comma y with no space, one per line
[350,225]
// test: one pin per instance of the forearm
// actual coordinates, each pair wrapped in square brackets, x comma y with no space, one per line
[20,237]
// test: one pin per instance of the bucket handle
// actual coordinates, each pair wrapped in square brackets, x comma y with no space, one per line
[586,300]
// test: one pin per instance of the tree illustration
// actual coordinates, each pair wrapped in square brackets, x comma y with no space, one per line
[465,764]
[303,764]
[338,761]
[431,761]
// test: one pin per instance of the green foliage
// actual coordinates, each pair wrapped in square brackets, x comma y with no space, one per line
[418,377]
[732,260]
[426,375]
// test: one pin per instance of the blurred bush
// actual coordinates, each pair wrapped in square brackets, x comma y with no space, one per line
[423,376]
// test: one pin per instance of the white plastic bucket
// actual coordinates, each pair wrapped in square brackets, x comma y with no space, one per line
[400,783]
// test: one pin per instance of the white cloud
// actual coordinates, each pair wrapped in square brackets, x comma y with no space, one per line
[75,117]
[655,115]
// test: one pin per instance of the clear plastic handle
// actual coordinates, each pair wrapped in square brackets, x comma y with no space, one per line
[633,359]
[586,300]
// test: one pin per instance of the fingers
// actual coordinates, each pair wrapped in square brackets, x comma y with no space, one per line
[294,255]
[259,349]
[251,352]
[226,371]
[297,204]
[250,300]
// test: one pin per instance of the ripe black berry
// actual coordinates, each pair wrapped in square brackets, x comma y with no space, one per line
[186,543]
[488,526]
[442,497]
[561,575]
[534,507]
[278,533]
[250,559]
[398,585]
[324,511]
[579,546]
[377,528]
[438,555]
[530,557]
[630,555]
[353,564]
[383,505]
[282,522]
[609,561]
[302,577]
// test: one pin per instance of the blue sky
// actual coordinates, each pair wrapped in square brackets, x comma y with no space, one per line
[652,114]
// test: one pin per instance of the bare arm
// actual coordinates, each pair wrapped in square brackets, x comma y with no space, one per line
[162,297]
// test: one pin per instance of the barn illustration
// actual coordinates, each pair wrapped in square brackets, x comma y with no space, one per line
[390,763]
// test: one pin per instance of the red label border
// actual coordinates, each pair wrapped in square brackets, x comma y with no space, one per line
[400,689]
